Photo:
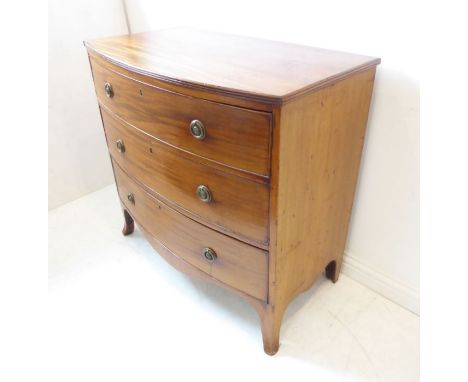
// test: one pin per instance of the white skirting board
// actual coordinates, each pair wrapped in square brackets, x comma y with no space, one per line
[395,290]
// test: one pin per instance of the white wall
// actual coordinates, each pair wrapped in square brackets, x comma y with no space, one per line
[78,159]
[383,247]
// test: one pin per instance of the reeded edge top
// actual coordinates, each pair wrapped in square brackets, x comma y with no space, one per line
[277,100]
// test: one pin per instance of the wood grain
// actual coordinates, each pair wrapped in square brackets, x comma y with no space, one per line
[268,70]
[239,206]
[235,137]
[311,204]
[185,88]
[238,265]
[286,126]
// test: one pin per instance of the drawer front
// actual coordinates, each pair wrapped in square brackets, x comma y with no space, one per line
[234,263]
[238,206]
[235,137]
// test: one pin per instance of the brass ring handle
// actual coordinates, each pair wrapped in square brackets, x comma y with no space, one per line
[120,146]
[108,90]
[209,254]
[197,129]
[204,193]
[131,198]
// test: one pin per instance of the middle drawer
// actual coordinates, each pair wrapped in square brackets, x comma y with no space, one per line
[226,202]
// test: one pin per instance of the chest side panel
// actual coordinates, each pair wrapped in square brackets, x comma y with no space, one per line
[317,156]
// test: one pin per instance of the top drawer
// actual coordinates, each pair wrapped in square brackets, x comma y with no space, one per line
[235,137]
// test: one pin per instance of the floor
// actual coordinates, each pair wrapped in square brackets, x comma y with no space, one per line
[119,312]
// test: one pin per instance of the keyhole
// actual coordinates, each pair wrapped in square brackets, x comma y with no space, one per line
[141,93]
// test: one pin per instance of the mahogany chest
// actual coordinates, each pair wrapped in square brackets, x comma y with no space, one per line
[237,157]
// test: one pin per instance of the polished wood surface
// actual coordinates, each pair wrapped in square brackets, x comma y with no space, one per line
[311,205]
[288,125]
[232,64]
[129,225]
[238,265]
[239,206]
[209,94]
[235,137]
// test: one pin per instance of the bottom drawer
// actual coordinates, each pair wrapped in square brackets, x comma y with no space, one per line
[228,260]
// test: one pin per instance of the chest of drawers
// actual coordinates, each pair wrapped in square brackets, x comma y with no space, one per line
[237,157]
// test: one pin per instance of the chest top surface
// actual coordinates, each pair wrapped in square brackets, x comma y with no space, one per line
[234,64]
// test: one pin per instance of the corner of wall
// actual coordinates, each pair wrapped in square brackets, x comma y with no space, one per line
[395,290]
